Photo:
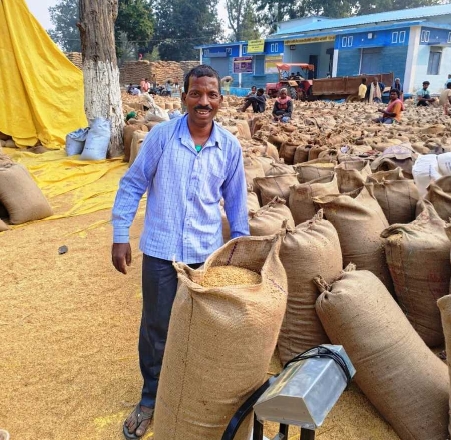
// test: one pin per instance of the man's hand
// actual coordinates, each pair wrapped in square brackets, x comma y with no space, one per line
[121,255]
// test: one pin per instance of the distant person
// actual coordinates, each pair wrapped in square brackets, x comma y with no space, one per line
[154,81]
[448,80]
[130,88]
[393,111]
[253,91]
[362,90]
[283,107]
[146,87]
[168,87]
[258,102]
[374,91]
[176,84]
[398,86]
[445,98]
[226,83]
[140,56]
[142,84]
[136,91]
[423,96]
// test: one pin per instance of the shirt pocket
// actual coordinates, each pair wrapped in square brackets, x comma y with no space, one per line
[214,178]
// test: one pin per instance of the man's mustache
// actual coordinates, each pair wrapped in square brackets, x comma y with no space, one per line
[202,107]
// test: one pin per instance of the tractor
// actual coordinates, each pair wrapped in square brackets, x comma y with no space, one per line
[293,77]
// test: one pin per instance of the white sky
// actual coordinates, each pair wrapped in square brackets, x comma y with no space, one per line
[40,9]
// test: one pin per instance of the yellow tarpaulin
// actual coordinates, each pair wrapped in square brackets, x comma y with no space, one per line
[42,91]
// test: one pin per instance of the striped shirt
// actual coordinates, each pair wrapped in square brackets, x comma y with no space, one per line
[184,188]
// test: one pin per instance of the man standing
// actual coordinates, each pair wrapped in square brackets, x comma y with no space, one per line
[168,87]
[362,90]
[258,102]
[186,166]
[374,92]
[423,97]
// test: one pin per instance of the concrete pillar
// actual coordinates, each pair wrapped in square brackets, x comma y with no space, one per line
[412,57]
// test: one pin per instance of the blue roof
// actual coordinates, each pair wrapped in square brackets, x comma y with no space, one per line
[360,20]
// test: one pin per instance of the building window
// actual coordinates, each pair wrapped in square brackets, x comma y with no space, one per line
[394,37]
[350,41]
[344,42]
[449,37]
[435,56]
[425,36]
[229,51]
[244,50]
[402,37]
[274,47]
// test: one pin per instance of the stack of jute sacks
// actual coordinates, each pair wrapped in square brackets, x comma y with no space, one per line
[75,58]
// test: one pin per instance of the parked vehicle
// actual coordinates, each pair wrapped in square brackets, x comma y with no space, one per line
[298,86]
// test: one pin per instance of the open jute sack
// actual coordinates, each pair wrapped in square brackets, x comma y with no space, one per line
[310,249]
[359,221]
[398,373]
[444,305]
[301,196]
[220,342]
[268,219]
[272,186]
[418,255]
[21,196]
[351,175]
[396,195]
[439,194]
[313,169]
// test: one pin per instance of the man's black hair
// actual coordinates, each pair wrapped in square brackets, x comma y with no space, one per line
[396,91]
[448,85]
[199,72]
[363,80]
[260,90]
[426,82]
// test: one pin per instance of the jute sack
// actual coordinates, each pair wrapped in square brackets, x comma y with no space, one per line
[444,305]
[396,195]
[314,169]
[244,130]
[301,196]
[301,154]
[310,249]
[21,196]
[252,168]
[137,140]
[398,373]
[418,257]
[225,223]
[3,226]
[315,151]
[266,162]
[220,342]
[288,150]
[439,194]
[128,136]
[252,199]
[269,219]
[351,175]
[359,221]
[274,186]
[278,168]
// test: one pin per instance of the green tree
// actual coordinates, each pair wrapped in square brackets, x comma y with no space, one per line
[242,20]
[183,24]
[64,17]
[133,27]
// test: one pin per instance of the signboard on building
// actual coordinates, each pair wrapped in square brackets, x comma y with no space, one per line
[271,61]
[255,46]
[308,40]
[243,65]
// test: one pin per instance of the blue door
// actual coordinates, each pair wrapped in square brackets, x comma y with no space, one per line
[371,61]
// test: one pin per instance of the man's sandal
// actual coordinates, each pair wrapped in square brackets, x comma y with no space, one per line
[141,416]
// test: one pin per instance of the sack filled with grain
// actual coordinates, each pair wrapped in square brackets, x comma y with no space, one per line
[288,150]
[359,221]
[128,137]
[279,167]
[301,154]
[252,168]
[402,156]
[274,186]
[418,255]
[351,175]
[3,226]
[396,195]
[314,169]
[137,140]
[315,151]
[269,219]
[252,199]
[444,305]
[398,373]
[222,334]
[310,249]
[439,194]
[20,195]
[301,196]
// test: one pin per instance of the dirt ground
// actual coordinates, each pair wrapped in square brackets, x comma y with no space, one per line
[68,338]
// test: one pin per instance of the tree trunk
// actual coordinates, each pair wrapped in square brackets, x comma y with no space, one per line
[100,70]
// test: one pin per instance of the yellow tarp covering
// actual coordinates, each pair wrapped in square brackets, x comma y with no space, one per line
[41,90]
[72,187]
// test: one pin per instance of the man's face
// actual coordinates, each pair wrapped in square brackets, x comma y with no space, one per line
[202,100]
[425,86]
[283,94]
[375,80]
[393,96]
